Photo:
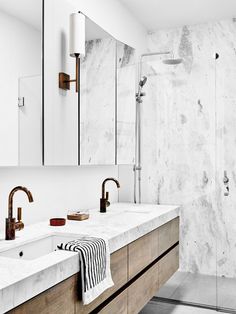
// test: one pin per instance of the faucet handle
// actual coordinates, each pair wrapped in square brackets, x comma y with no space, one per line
[19,213]
[19,225]
[107,201]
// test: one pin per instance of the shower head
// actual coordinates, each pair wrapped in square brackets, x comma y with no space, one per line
[172,61]
[143,81]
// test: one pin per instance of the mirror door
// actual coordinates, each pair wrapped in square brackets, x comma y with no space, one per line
[30,121]
[61,107]
[125,106]
[98,98]
[96,125]
[20,57]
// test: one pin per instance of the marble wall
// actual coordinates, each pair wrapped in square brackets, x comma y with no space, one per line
[189,139]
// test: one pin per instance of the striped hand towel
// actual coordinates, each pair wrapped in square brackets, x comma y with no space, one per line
[95,270]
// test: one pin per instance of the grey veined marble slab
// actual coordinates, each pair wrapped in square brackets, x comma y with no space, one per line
[189,140]
[20,280]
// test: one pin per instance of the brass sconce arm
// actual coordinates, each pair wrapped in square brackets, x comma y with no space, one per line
[64,79]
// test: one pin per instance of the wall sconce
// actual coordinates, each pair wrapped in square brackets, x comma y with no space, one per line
[77,48]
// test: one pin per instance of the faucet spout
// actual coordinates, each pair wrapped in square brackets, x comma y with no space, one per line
[10,198]
[104,202]
[104,183]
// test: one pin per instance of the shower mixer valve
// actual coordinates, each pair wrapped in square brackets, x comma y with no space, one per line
[226,183]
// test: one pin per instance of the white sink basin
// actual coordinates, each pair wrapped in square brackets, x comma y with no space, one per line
[37,248]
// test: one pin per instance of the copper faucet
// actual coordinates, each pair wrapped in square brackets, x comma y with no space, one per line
[11,224]
[104,202]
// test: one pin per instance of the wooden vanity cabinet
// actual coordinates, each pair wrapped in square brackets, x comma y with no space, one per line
[119,274]
[59,299]
[63,298]
[168,235]
[142,252]
[168,265]
[143,289]
[138,271]
[146,249]
[118,305]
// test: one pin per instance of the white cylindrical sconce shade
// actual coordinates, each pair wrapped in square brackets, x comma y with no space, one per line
[77,34]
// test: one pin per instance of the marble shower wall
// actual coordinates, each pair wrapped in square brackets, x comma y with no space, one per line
[187,113]
[226,145]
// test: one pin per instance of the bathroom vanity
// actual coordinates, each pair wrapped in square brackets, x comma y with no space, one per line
[144,245]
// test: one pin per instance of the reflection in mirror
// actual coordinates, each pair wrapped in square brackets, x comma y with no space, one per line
[20,64]
[61,110]
[98,97]
[125,104]
[81,128]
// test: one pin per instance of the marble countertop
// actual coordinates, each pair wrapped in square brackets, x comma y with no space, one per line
[20,280]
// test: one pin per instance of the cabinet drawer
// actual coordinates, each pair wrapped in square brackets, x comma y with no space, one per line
[168,235]
[59,299]
[119,275]
[168,265]
[142,290]
[142,252]
[117,306]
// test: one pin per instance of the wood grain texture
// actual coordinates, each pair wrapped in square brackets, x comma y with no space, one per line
[59,299]
[143,289]
[117,306]
[168,265]
[142,252]
[168,235]
[119,271]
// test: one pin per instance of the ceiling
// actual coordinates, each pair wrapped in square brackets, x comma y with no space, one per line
[154,14]
[28,11]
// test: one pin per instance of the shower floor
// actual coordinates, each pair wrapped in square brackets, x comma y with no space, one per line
[200,289]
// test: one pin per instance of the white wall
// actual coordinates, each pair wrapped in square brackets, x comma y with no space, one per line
[57,189]
[19,56]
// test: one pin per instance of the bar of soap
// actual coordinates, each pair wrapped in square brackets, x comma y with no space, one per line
[57,222]
[78,216]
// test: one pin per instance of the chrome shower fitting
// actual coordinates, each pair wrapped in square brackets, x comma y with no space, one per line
[139,95]
[226,183]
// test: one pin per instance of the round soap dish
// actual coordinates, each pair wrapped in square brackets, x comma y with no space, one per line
[56,222]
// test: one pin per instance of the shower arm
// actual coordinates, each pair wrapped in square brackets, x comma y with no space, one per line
[149,54]
[137,166]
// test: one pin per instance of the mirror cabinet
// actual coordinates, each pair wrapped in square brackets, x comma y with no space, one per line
[21,83]
[42,124]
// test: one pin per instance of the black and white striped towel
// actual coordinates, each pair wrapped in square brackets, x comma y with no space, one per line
[95,269]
